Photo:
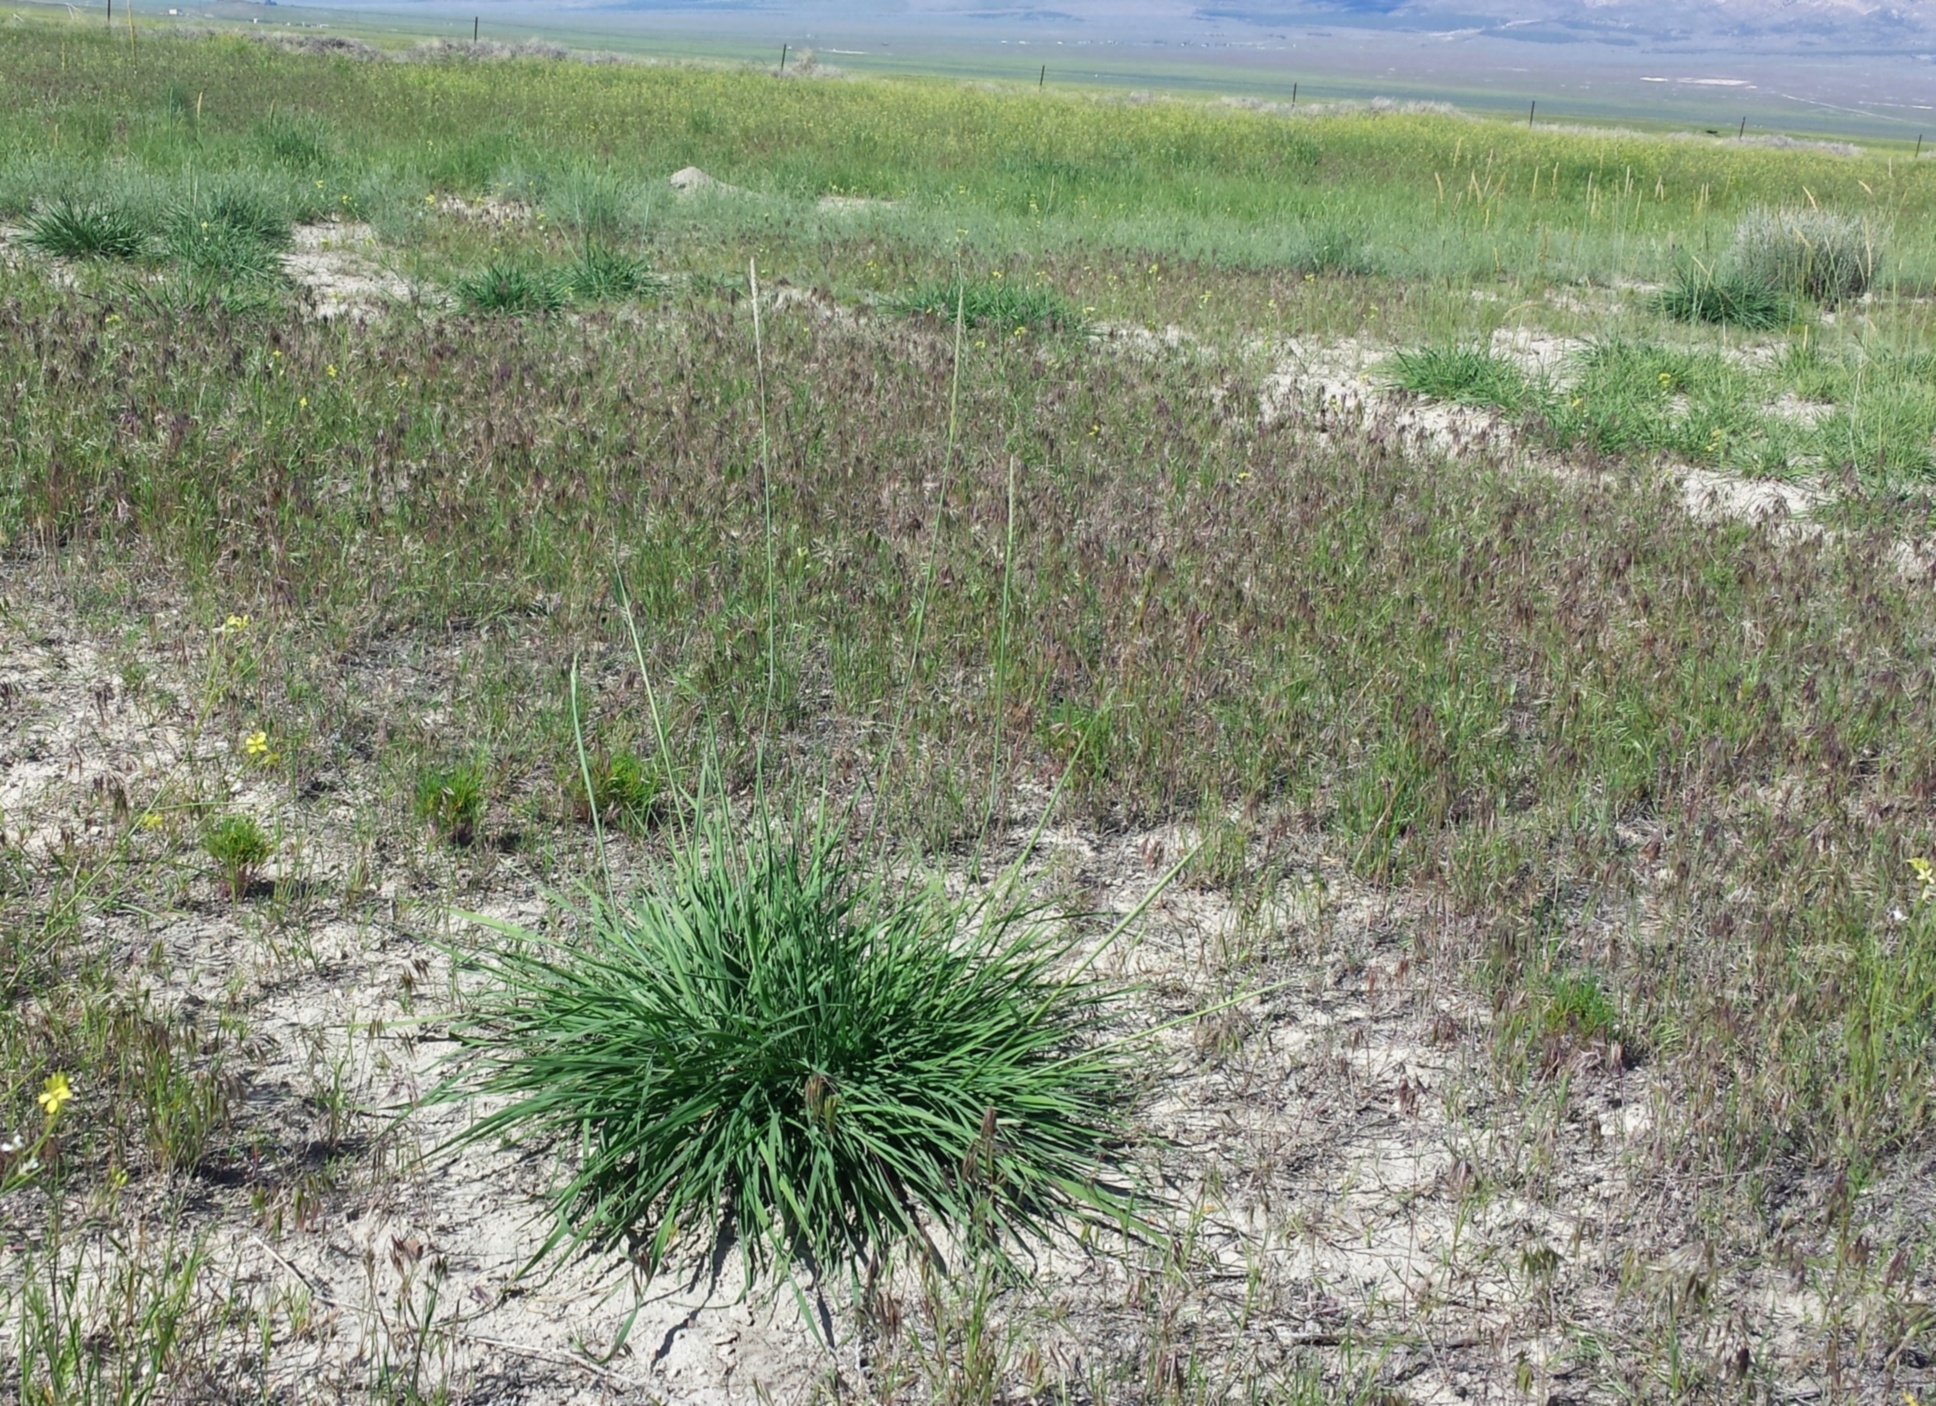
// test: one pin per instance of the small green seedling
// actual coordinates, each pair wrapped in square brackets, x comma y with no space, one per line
[625,791]
[451,798]
[239,848]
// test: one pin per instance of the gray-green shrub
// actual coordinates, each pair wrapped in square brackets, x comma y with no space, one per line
[1814,254]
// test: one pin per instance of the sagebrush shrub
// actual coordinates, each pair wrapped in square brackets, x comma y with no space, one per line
[1812,254]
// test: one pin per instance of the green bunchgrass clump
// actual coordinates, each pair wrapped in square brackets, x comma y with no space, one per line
[451,798]
[1465,375]
[774,1047]
[604,274]
[1632,396]
[1576,1016]
[294,141]
[594,203]
[625,790]
[1334,251]
[89,229]
[239,848]
[1813,254]
[1732,297]
[230,234]
[511,288]
[206,293]
[1003,303]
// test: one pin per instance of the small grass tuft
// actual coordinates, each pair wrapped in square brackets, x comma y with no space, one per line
[1576,1015]
[451,798]
[1732,297]
[604,274]
[82,229]
[770,1048]
[510,288]
[239,848]
[625,790]
[1465,375]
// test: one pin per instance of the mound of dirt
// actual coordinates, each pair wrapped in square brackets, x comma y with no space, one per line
[692,181]
[340,267]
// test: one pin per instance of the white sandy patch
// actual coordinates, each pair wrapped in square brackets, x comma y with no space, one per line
[853,205]
[343,269]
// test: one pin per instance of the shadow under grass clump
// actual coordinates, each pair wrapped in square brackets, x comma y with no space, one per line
[994,302]
[82,229]
[774,1048]
[1464,375]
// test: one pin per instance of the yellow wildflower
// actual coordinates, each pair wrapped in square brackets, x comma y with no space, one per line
[54,1095]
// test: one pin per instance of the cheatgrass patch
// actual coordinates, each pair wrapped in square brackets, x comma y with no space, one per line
[1011,304]
[774,1047]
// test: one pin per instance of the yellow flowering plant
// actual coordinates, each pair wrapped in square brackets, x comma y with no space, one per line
[21,1158]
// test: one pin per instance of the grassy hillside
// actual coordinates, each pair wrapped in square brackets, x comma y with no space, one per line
[1007,172]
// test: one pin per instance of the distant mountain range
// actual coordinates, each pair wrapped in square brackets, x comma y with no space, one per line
[1782,23]
[1765,24]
